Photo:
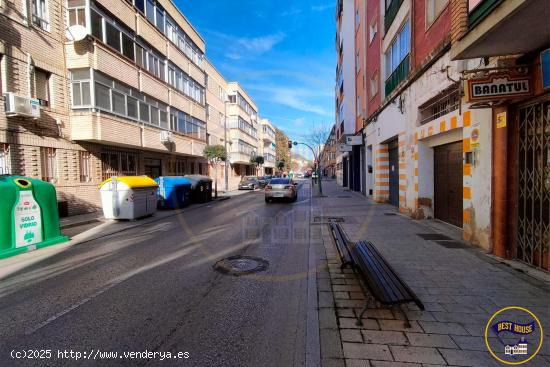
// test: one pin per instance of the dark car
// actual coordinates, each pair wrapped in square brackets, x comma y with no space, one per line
[249,183]
[263,180]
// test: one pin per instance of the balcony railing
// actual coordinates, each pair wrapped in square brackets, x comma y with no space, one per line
[391,12]
[398,75]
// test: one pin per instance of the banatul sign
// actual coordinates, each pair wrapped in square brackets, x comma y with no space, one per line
[498,87]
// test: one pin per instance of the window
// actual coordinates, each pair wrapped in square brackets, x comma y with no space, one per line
[373,29]
[42,86]
[160,18]
[433,9]
[102,96]
[132,104]
[119,102]
[144,111]
[232,99]
[85,167]
[127,46]
[113,36]
[4,159]
[140,4]
[77,12]
[80,82]
[141,56]
[49,164]
[114,163]
[374,85]
[97,25]
[150,11]
[40,16]
[398,50]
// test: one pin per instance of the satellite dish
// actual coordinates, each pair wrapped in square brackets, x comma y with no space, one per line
[76,33]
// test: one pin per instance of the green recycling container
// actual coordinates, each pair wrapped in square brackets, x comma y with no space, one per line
[28,208]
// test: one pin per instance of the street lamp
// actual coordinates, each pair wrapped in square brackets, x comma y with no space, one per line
[226,163]
[317,164]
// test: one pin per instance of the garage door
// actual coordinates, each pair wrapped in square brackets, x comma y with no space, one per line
[448,183]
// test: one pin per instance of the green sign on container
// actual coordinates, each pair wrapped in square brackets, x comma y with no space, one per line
[28,208]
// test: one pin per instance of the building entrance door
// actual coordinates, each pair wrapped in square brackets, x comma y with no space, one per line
[394,172]
[448,192]
[533,238]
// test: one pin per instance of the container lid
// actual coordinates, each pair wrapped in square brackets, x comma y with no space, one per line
[133,182]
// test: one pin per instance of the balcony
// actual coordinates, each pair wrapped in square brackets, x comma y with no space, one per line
[391,12]
[104,128]
[499,28]
[398,75]
[239,158]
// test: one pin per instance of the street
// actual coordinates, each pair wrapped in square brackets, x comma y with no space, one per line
[153,288]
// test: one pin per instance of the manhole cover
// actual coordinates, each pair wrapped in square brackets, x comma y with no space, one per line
[240,265]
[433,236]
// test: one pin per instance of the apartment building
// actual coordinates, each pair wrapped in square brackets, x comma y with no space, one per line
[328,156]
[345,114]
[417,128]
[513,39]
[120,87]
[217,127]
[267,145]
[242,118]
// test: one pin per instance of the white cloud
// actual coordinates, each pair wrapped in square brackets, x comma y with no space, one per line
[261,44]
[299,121]
[321,7]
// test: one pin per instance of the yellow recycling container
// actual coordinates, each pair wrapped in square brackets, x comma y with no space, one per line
[128,197]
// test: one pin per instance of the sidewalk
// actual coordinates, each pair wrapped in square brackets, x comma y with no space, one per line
[460,287]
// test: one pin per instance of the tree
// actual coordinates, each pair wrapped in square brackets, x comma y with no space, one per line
[282,152]
[316,139]
[215,154]
[257,161]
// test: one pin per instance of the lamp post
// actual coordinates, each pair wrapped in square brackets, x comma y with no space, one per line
[317,164]
[226,163]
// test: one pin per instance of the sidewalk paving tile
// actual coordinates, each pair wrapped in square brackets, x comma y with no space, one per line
[370,351]
[385,337]
[393,364]
[460,289]
[431,340]
[417,355]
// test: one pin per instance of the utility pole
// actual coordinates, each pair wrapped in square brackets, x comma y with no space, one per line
[226,163]
[316,163]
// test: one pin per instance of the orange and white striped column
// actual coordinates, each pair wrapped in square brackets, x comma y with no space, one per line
[467,175]
[402,150]
[382,174]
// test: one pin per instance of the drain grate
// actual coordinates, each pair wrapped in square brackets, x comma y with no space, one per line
[390,213]
[434,237]
[241,265]
[343,197]
[319,219]
[451,244]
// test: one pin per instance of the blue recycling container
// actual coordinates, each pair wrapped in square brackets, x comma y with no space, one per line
[173,192]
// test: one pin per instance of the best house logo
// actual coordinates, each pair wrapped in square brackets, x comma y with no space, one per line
[513,335]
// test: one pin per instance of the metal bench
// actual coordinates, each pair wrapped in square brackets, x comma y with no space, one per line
[380,278]
[343,244]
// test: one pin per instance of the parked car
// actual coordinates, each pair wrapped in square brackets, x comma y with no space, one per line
[263,180]
[281,188]
[249,183]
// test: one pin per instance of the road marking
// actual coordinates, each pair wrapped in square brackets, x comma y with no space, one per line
[112,284]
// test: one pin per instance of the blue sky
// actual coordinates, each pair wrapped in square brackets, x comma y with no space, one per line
[282,53]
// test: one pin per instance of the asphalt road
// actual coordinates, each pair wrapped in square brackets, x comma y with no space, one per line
[153,288]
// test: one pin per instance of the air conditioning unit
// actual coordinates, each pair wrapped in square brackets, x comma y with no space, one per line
[21,106]
[166,137]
